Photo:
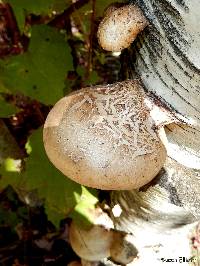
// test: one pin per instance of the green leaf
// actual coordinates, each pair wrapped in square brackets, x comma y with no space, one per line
[12,165]
[7,178]
[22,8]
[40,72]
[61,195]
[89,195]
[57,190]
[83,211]
[93,78]
[6,109]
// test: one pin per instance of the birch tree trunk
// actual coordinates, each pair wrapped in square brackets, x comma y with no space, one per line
[166,57]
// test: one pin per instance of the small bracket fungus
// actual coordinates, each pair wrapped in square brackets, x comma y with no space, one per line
[94,243]
[102,241]
[107,137]
[91,245]
[120,26]
[122,249]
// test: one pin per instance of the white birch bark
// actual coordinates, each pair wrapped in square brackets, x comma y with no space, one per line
[166,57]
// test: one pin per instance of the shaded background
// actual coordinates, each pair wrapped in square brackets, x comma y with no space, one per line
[47,49]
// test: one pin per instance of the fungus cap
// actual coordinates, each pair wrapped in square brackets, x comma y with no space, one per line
[101,240]
[122,249]
[104,137]
[120,26]
[94,243]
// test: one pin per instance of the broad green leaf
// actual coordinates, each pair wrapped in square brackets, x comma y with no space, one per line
[22,8]
[2,87]
[14,179]
[61,195]
[89,195]
[83,211]
[12,165]
[6,109]
[82,215]
[93,78]
[40,72]
[57,190]
[28,147]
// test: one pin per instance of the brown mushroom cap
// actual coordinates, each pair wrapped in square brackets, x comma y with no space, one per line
[120,26]
[100,242]
[122,249]
[93,244]
[104,137]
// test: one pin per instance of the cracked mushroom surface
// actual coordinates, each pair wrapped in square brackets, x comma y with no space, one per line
[120,27]
[104,137]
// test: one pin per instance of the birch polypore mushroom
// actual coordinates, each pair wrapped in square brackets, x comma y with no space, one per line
[101,241]
[120,26]
[93,244]
[107,137]
[122,249]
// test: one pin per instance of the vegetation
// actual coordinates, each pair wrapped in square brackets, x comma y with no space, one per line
[47,49]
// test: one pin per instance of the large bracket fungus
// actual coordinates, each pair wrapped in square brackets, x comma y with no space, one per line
[107,137]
